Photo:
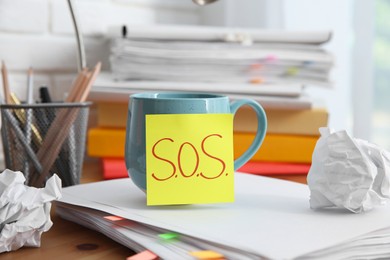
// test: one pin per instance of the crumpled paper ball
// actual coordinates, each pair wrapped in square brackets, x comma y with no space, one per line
[24,211]
[348,173]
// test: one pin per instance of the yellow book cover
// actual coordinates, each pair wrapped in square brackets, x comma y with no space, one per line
[112,114]
[110,142]
[106,142]
[295,122]
[277,147]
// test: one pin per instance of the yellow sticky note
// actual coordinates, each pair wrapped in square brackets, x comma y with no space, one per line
[189,158]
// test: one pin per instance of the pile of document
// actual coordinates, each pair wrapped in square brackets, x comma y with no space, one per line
[271,67]
[210,54]
[270,219]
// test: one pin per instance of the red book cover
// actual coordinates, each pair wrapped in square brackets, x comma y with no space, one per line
[114,168]
[275,168]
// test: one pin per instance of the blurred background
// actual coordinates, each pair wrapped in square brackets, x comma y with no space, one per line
[40,33]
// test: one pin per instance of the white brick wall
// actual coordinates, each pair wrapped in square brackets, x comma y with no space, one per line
[39,33]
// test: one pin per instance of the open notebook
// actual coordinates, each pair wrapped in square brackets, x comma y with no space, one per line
[269,219]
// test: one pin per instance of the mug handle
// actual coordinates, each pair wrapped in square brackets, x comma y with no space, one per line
[127,140]
[261,129]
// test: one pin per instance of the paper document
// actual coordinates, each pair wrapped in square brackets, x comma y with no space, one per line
[270,218]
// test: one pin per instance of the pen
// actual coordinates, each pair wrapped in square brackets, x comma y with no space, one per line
[21,115]
[29,100]
[44,94]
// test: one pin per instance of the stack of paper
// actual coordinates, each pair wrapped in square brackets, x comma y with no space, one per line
[214,55]
[271,67]
[269,219]
[286,96]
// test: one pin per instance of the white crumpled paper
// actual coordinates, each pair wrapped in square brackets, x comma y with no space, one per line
[348,173]
[24,211]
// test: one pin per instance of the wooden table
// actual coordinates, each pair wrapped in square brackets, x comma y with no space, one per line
[67,240]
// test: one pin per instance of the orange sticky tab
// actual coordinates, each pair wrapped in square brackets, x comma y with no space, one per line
[144,255]
[256,66]
[113,218]
[206,254]
[256,81]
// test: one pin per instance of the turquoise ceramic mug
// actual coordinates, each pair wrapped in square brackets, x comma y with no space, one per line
[179,103]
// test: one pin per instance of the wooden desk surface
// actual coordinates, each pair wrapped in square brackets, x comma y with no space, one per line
[67,240]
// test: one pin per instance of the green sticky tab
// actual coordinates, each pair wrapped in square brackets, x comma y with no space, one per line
[169,236]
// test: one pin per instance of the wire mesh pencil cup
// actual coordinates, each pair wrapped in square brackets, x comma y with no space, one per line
[24,130]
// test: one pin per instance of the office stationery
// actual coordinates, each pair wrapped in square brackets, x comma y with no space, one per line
[145,255]
[210,33]
[283,90]
[10,129]
[36,136]
[107,89]
[20,155]
[62,123]
[184,160]
[29,100]
[213,54]
[21,116]
[171,103]
[7,92]
[44,94]
[271,219]
[206,254]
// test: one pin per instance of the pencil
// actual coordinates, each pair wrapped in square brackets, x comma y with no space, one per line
[7,92]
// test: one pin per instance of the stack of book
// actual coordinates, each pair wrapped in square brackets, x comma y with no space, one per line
[287,148]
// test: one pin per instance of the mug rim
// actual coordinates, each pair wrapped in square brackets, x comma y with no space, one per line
[177,95]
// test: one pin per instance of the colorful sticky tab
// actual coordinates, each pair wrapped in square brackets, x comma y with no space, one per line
[256,66]
[113,218]
[189,159]
[144,255]
[206,254]
[169,236]
[270,58]
[256,81]
[308,63]
[292,71]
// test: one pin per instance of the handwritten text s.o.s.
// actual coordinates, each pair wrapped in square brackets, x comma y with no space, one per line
[193,154]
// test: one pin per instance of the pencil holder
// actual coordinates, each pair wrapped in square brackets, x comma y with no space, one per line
[42,139]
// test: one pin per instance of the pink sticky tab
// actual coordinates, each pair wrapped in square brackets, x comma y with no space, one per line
[113,218]
[206,254]
[271,58]
[144,255]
